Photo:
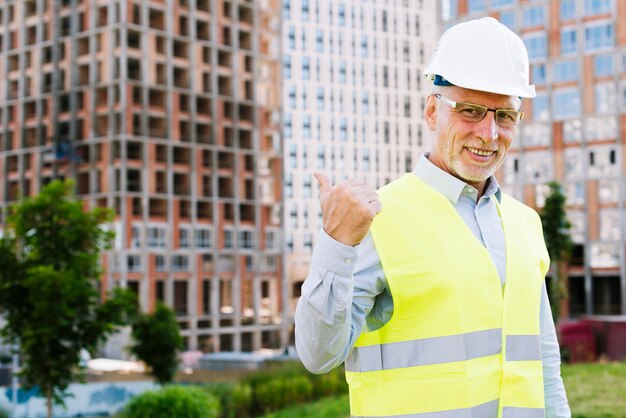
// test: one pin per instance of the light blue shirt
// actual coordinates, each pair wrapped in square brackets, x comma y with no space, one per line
[346,290]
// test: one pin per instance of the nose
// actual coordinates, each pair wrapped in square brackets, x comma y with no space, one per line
[487,129]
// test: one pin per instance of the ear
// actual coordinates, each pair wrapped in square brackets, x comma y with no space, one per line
[430,113]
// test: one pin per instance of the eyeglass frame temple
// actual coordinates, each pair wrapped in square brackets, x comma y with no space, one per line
[454,104]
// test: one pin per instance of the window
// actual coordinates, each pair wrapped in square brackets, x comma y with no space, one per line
[293,157]
[533,16]
[292,37]
[343,129]
[305,10]
[319,40]
[286,9]
[133,263]
[541,111]
[306,68]
[597,6]
[536,45]
[228,239]
[539,74]
[536,133]
[287,66]
[602,162]
[321,156]
[287,129]
[364,103]
[341,13]
[292,97]
[572,131]
[568,41]
[306,127]
[476,6]
[601,128]
[342,72]
[180,263]
[603,65]
[183,237]
[156,237]
[249,262]
[135,237]
[508,19]
[500,3]
[539,166]
[564,71]
[271,240]
[160,263]
[566,104]
[364,45]
[599,36]
[606,98]
[320,98]
[568,9]
[203,238]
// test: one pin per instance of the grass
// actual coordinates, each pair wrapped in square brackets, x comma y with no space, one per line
[594,391]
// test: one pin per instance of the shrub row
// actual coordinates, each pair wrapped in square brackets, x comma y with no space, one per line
[256,395]
[276,388]
[173,401]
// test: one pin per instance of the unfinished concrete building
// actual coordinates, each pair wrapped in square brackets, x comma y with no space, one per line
[167,112]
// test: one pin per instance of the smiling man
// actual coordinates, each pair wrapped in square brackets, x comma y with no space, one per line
[431,290]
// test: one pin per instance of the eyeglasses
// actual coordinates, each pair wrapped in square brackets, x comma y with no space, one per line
[505,118]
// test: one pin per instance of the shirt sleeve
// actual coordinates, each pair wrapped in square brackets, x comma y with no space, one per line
[554,391]
[337,296]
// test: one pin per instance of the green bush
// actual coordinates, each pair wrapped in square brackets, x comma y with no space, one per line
[329,384]
[235,399]
[278,393]
[174,401]
[276,387]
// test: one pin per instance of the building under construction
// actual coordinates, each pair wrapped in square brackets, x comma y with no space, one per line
[167,112]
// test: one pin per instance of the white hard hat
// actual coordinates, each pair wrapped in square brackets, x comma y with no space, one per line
[485,55]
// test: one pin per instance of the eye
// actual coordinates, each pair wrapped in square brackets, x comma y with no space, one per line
[508,116]
[471,112]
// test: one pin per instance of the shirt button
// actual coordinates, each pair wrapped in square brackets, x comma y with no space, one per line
[348,260]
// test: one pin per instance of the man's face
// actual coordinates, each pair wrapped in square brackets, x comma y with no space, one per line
[469,150]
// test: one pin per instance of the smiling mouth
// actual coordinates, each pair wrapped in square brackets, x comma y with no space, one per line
[482,153]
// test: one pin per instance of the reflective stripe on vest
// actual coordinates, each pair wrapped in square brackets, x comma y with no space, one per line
[487,410]
[425,351]
[456,345]
[523,347]
[442,350]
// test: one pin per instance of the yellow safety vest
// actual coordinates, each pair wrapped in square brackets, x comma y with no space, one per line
[456,345]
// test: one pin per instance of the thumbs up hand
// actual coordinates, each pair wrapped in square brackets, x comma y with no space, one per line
[348,208]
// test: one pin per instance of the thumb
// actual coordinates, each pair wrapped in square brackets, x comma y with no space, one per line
[324,182]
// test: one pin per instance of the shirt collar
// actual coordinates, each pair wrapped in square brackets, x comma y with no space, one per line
[448,185]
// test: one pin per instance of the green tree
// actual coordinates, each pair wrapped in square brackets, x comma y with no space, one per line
[49,281]
[156,341]
[559,243]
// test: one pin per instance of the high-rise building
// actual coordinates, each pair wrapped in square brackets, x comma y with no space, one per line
[353,95]
[167,111]
[573,131]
